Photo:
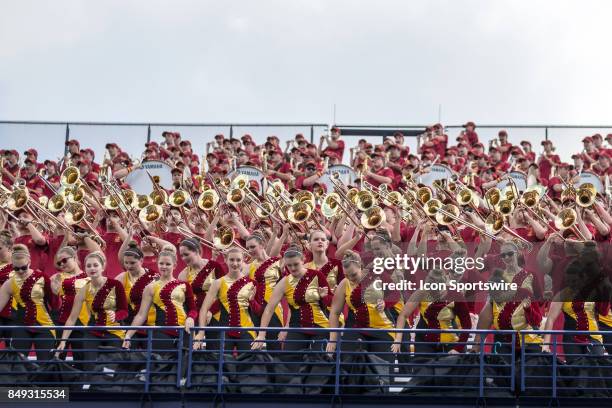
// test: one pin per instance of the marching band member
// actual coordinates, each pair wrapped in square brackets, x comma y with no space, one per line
[173,301]
[32,297]
[265,271]
[6,269]
[512,309]
[135,279]
[308,296]
[235,293]
[368,308]
[66,284]
[438,309]
[200,273]
[106,304]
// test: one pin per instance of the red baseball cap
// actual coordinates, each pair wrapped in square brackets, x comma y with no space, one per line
[563,165]
[152,145]
[167,133]
[72,141]
[51,162]
[185,142]
[469,124]
[576,156]
[545,142]
[587,139]
[525,142]
[502,132]
[31,151]
[596,136]
[109,145]
[83,162]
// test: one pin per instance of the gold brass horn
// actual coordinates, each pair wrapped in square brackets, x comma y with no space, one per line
[224,238]
[424,195]
[530,198]
[494,223]
[143,200]
[493,197]
[17,200]
[76,194]
[236,196]
[304,196]
[586,195]
[565,219]
[506,207]
[208,200]
[298,212]
[129,197]
[151,213]
[365,200]
[352,195]
[159,197]
[330,207]
[241,181]
[431,207]
[394,198]
[110,202]
[445,219]
[373,217]
[70,176]
[465,196]
[178,198]
[264,210]
[57,203]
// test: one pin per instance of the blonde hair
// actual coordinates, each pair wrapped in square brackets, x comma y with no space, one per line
[169,251]
[20,251]
[97,254]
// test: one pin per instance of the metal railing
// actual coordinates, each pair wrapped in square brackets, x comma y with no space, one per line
[361,364]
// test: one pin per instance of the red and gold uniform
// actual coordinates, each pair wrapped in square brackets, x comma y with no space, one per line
[134,288]
[173,302]
[5,274]
[32,300]
[518,313]
[451,313]
[307,307]
[237,300]
[266,275]
[70,286]
[107,306]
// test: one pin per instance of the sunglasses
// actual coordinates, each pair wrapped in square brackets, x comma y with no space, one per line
[62,261]
[20,268]
[507,254]
[311,168]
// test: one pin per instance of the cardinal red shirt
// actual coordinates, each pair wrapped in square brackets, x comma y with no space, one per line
[385,172]
[551,192]
[338,150]
[506,154]
[113,243]
[545,166]
[38,253]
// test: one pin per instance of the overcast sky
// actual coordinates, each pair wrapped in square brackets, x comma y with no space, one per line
[385,62]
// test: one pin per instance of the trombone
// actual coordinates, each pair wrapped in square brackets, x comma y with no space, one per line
[75,214]
[494,224]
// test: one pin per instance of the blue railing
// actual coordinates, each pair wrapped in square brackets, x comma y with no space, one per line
[361,364]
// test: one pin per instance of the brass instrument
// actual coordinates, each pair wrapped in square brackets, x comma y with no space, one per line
[57,203]
[208,200]
[373,217]
[70,176]
[159,197]
[493,197]
[495,223]
[150,214]
[178,198]
[566,220]
[143,200]
[365,200]
[586,195]
[224,238]
[75,214]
